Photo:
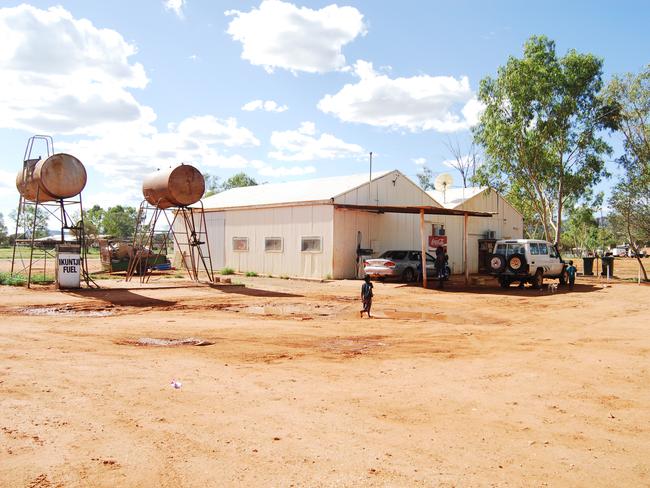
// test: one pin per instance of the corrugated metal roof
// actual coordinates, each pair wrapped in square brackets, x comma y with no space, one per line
[455,197]
[314,190]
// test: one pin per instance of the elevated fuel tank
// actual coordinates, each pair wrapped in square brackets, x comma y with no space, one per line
[179,186]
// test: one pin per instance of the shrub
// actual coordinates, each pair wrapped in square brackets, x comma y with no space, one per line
[227,271]
[251,273]
[9,280]
[21,280]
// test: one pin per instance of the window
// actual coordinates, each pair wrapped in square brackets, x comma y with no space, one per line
[415,256]
[273,244]
[399,255]
[543,250]
[551,252]
[311,244]
[240,243]
[534,250]
[438,229]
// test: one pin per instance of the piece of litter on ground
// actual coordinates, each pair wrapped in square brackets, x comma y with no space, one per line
[176,384]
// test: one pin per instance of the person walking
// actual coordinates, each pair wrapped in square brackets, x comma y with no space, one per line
[571,269]
[366,296]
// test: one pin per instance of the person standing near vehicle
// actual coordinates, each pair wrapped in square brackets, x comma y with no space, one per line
[571,269]
[366,296]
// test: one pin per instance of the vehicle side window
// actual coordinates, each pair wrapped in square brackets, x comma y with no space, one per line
[430,258]
[398,255]
[500,249]
[414,256]
[543,250]
[551,252]
[534,250]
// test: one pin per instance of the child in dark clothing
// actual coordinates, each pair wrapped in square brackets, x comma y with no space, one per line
[366,296]
[571,269]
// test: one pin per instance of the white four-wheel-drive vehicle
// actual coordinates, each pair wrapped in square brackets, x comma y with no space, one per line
[527,261]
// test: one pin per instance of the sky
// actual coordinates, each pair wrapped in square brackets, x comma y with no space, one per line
[280,90]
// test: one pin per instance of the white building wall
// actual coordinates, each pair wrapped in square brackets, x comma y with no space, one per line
[507,223]
[379,232]
[391,189]
[289,223]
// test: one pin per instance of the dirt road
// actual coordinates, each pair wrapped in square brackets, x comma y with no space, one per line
[461,387]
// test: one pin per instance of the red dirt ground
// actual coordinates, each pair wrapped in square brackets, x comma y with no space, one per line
[460,387]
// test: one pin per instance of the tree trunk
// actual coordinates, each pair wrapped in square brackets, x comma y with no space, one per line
[560,196]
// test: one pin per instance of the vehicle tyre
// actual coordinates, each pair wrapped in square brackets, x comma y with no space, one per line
[497,263]
[564,277]
[504,282]
[516,263]
[408,275]
[538,279]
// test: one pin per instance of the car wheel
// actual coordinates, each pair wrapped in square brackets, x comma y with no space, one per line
[497,263]
[538,279]
[516,263]
[504,282]
[408,275]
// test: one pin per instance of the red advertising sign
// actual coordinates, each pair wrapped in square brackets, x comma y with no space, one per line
[437,241]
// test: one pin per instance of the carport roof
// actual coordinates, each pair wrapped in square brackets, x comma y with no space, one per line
[428,210]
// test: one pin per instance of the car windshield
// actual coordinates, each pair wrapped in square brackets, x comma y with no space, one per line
[508,249]
[394,255]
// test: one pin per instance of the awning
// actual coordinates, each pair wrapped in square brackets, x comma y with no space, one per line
[429,210]
[426,209]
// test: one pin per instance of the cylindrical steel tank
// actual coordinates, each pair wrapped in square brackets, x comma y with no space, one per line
[174,187]
[59,176]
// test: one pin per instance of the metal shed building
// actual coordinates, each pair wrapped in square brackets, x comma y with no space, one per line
[311,229]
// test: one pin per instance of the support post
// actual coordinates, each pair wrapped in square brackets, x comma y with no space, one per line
[424,250]
[465,233]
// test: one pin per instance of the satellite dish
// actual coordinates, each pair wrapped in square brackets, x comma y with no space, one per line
[442,182]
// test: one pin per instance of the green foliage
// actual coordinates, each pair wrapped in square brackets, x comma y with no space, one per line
[20,280]
[119,222]
[213,184]
[16,280]
[630,94]
[425,177]
[251,274]
[27,220]
[238,180]
[540,131]
[4,234]
[630,200]
[582,230]
[227,271]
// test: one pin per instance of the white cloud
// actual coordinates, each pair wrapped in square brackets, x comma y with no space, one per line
[193,57]
[124,157]
[62,75]
[419,161]
[175,6]
[423,102]
[304,144]
[281,35]
[7,179]
[266,169]
[211,130]
[266,105]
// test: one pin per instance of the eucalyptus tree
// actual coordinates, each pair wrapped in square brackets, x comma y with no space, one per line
[541,130]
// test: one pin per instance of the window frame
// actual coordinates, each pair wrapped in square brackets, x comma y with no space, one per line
[235,249]
[281,250]
[310,251]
